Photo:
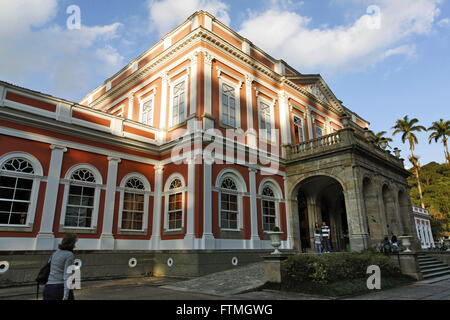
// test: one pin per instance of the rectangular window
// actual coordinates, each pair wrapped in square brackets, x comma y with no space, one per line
[319,131]
[147,112]
[265,121]
[175,212]
[80,206]
[14,199]
[298,127]
[228,105]
[179,104]
[269,215]
[133,211]
[229,211]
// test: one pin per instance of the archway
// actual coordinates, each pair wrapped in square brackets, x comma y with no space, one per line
[321,198]
[376,224]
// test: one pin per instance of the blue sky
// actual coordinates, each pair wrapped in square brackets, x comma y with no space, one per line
[398,67]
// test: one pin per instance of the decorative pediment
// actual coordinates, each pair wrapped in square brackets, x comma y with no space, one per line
[315,90]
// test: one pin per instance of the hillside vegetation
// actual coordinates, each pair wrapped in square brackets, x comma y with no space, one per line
[435,180]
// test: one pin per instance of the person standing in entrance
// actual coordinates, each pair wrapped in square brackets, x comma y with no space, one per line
[326,237]
[318,238]
[56,287]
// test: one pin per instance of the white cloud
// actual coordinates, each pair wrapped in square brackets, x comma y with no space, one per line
[168,14]
[290,36]
[62,62]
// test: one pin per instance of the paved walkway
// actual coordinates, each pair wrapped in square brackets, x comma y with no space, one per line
[225,283]
[416,291]
[238,284]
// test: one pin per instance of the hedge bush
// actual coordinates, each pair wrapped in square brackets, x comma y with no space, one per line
[325,269]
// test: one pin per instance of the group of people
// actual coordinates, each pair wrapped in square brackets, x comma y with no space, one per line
[389,246]
[322,238]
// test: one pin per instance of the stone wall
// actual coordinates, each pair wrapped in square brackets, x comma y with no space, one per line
[97,265]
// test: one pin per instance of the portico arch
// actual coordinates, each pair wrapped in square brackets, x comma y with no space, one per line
[320,198]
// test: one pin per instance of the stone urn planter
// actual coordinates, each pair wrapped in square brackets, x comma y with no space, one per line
[275,238]
[447,243]
[406,242]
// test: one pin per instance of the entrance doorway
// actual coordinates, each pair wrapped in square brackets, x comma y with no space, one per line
[321,199]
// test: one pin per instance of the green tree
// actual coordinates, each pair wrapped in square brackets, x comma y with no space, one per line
[440,130]
[407,128]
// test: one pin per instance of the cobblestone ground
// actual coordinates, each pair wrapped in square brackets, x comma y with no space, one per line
[226,283]
[416,291]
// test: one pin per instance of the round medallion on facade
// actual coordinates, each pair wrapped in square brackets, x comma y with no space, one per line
[4,266]
[170,262]
[78,263]
[234,261]
[132,262]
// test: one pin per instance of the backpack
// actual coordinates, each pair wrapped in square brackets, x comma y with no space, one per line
[42,277]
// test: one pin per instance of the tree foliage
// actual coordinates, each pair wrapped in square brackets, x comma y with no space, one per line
[435,181]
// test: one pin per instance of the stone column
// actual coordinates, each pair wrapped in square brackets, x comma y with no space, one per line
[157,205]
[194,71]
[190,235]
[107,238]
[208,241]
[253,209]
[290,234]
[251,135]
[359,238]
[45,238]
[207,76]
[284,121]
[163,116]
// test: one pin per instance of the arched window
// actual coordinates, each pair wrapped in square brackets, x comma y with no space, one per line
[175,191]
[16,188]
[133,205]
[269,215]
[271,195]
[81,197]
[134,194]
[80,204]
[229,207]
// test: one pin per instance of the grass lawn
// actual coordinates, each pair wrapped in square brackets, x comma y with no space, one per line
[341,288]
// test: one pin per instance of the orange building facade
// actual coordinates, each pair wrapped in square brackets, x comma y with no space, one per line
[184,148]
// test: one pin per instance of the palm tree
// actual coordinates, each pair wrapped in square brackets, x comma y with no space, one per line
[379,139]
[407,128]
[440,130]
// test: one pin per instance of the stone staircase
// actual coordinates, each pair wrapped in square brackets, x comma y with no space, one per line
[432,269]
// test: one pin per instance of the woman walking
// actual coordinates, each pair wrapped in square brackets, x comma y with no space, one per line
[56,287]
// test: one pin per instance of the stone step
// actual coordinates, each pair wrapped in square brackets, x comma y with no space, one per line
[432,265]
[436,274]
[429,263]
[433,269]
[436,279]
[425,258]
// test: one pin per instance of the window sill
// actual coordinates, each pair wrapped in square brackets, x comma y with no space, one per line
[231,234]
[132,232]
[64,229]
[173,232]
[16,228]
[226,126]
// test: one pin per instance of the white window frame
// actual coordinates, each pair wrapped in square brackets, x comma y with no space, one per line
[322,129]
[186,102]
[98,185]
[271,105]
[277,198]
[37,177]
[241,189]
[294,115]
[146,192]
[141,109]
[167,193]
[237,98]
